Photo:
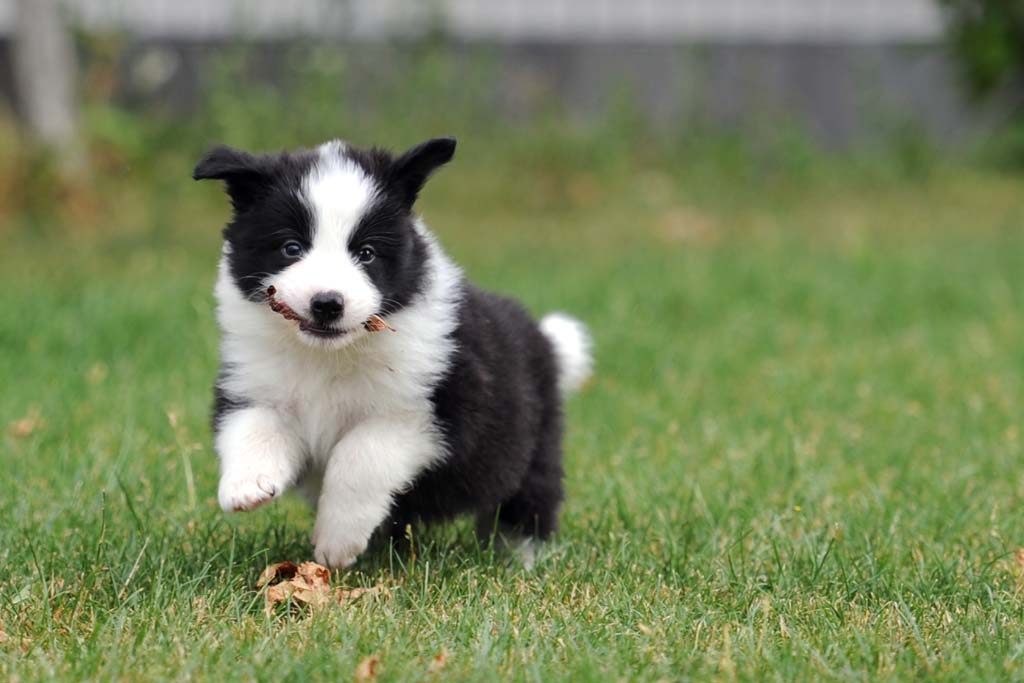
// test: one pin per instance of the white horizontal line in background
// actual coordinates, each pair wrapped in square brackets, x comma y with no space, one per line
[515,20]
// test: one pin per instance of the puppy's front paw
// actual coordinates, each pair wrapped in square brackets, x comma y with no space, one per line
[336,547]
[247,491]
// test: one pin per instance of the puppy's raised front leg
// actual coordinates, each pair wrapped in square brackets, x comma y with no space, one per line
[377,459]
[260,457]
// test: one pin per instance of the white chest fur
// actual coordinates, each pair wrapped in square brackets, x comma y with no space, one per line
[322,394]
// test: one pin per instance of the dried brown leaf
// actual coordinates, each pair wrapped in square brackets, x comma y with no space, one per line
[1018,557]
[276,571]
[25,426]
[349,594]
[308,583]
[314,597]
[438,663]
[316,574]
[367,670]
[279,593]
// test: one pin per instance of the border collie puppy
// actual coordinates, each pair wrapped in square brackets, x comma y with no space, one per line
[457,410]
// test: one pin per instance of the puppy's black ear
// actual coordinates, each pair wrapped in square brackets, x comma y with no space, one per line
[410,171]
[245,176]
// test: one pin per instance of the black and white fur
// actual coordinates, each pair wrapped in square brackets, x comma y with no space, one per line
[459,410]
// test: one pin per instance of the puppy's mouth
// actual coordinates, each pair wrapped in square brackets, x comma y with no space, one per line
[319,331]
[373,324]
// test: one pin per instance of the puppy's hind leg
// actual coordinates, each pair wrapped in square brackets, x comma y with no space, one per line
[530,516]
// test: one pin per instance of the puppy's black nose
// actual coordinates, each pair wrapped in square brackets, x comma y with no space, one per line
[326,307]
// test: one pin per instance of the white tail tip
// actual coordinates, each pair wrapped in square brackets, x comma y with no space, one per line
[572,345]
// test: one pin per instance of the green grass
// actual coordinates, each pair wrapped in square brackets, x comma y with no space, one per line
[800,457]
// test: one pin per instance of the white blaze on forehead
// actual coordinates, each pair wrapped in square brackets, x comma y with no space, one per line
[338,192]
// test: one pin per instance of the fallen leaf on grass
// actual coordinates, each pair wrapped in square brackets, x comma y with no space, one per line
[3,637]
[308,583]
[315,575]
[279,593]
[1018,557]
[348,594]
[437,663]
[25,426]
[278,570]
[366,671]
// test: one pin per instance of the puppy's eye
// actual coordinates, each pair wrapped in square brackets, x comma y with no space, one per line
[292,249]
[366,254]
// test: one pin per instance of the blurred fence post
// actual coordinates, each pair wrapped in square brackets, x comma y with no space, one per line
[45,69]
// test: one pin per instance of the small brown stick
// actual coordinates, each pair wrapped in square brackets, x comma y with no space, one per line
[374,323]
[281,307]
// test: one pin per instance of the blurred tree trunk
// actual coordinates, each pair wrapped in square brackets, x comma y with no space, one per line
[45,68]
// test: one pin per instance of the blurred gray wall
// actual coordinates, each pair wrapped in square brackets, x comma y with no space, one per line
[557,20]
[844,71]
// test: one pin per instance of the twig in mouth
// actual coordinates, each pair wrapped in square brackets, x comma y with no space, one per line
[281,307]
[374,323]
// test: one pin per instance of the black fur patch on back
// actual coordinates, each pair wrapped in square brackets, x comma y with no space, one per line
[500,413]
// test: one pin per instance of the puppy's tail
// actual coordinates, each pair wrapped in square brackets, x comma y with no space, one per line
[572,345]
